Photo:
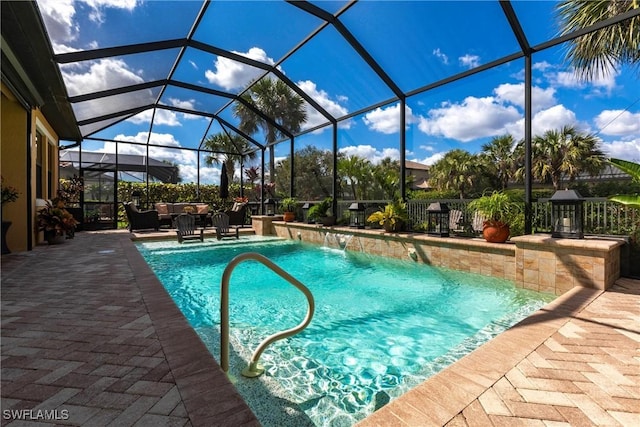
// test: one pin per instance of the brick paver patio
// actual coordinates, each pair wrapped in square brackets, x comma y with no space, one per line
[89,336]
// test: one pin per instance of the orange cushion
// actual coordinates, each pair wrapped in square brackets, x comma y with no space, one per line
[203,209]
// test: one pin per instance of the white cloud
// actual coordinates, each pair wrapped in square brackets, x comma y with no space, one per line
[387,120]
[371,153]
[430,160]
[541,66]
[162,117]
[602,84]
[99,75]
[321,97]
[59,17]
[627,150]
[230,74]
[438,54]
[471,119]
[618,122]
[552,118]
[514,94]
[469,61]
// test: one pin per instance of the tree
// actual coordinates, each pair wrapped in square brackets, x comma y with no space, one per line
[313,174]
[457,170]
[386,177]
[564,154]
[498,159]
[598,53]
[356,173]
[228,149]
[276,100]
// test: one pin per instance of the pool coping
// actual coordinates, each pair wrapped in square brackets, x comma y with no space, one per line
[467,379]
[206,392]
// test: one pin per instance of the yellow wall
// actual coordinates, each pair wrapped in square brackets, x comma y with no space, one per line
[14,139]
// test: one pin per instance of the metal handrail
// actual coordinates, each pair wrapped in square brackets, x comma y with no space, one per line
[254,369]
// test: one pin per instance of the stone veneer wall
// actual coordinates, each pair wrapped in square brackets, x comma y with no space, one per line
[546,264]
[536,262]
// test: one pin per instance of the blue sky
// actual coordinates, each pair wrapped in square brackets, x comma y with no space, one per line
[417,43]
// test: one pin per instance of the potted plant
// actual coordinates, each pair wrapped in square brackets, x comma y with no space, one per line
[392,217]
[56,222]
[69,191]
[321,212]
[289,207]
[498,210]
[9,195]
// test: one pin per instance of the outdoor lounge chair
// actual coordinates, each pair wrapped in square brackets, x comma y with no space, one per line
[186,228]
[141,220]
[455,220]
[223,229]
[237,214]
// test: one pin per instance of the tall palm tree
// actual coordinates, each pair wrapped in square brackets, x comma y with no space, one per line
[276,100]
[499,159]
[228,149]
[457,170]
[600,52]
[565,153]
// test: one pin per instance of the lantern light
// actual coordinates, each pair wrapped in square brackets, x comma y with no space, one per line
[356,215]
[567,214]
[305,213]
[438,219]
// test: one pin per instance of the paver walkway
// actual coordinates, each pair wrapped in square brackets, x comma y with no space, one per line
[89,336]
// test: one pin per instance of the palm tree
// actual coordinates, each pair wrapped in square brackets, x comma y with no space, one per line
[357,172]
[498,158]
[565,154]
[276,100]
[457,170]
[228,149]
[599,52]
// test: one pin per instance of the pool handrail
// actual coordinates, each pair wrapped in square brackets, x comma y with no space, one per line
[255,369]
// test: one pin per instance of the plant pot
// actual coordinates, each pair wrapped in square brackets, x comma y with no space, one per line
[328,221]
[289,216]
[495,231]
[54,239]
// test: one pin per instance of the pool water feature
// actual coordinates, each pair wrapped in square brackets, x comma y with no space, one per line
[381,326]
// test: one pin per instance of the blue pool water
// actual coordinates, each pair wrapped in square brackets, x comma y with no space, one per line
[381,326]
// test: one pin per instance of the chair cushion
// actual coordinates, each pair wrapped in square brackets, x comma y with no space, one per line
[162,208]
[237,206]
[133,207]
[202,209]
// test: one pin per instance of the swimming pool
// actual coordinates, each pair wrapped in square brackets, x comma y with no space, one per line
[381,326]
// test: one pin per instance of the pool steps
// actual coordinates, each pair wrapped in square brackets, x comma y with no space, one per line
[255,369]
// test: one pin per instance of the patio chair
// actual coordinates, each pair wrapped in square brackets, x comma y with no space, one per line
[455,219]
[220,222]
[186,228]
[141,220]
[478,222]
[237,214]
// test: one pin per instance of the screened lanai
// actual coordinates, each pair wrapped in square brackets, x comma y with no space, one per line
[401,81]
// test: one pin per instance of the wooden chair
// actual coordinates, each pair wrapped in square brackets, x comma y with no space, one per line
[220,222]
[186,228]
[455,218]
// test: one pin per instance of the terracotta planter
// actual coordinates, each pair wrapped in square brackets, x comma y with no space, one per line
[495,231]
[289,216]
[328,221]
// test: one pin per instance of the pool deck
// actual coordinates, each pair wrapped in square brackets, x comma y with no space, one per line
[90,336]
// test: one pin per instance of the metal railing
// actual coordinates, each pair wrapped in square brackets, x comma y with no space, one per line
[601,216]
[254,369]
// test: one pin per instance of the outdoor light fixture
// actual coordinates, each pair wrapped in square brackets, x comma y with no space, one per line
[438,219]
[135,198]
[566,214]
[305,213]
[270,207]
[356,215]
